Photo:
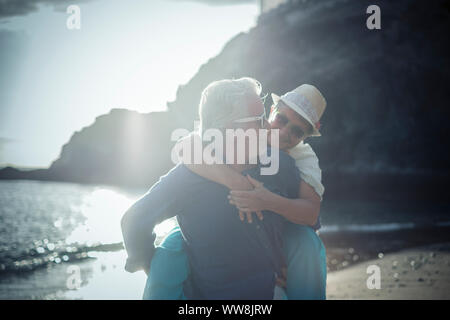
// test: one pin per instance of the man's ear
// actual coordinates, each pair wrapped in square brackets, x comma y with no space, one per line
[271,109]
[311,130]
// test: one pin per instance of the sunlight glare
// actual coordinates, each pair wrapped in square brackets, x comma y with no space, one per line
[103,209]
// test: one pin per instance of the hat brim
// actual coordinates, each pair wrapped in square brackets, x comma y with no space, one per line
[276,98]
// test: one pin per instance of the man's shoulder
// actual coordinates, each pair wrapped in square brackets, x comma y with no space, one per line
[289,173]
[286,168]
[179,176]
[287,177]
[286,161]
[179,171]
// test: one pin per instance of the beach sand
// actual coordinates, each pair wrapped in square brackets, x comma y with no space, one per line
[417,273]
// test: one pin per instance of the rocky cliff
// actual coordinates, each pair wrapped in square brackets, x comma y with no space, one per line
[386,122]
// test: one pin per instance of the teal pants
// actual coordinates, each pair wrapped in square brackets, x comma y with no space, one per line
[303,249]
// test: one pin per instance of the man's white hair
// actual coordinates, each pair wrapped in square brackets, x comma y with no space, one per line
[225,100]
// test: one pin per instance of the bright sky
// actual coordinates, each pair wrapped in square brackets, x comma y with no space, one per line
[128,54]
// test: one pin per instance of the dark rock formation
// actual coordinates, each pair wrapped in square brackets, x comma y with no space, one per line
[121,148]
[386,124]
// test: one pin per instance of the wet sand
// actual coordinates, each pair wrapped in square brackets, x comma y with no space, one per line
[418,273]
[414,264]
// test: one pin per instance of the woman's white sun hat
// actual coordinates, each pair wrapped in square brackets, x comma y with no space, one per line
[308,102]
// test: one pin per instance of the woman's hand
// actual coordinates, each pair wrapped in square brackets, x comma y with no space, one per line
[255,200]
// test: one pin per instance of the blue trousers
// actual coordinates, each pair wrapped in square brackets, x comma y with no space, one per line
[303,249]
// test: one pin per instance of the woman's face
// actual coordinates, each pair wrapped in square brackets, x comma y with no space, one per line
[293,128]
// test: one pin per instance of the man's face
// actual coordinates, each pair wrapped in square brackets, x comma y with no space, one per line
[253,109]
[293,128]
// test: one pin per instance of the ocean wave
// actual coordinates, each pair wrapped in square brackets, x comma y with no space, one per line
[379,227]
[43,254]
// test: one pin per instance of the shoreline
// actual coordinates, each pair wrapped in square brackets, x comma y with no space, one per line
[370,185]
[103,277]
[421,273]
[415,273]
[345,249]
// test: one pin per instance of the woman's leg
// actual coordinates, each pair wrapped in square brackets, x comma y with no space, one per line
[306,263]
[168,270]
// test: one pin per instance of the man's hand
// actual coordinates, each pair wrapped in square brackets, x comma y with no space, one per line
[251,201]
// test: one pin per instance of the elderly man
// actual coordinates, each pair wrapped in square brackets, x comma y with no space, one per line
[227,259]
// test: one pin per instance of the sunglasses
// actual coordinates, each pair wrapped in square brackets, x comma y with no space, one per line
[282,120]
[261,118]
